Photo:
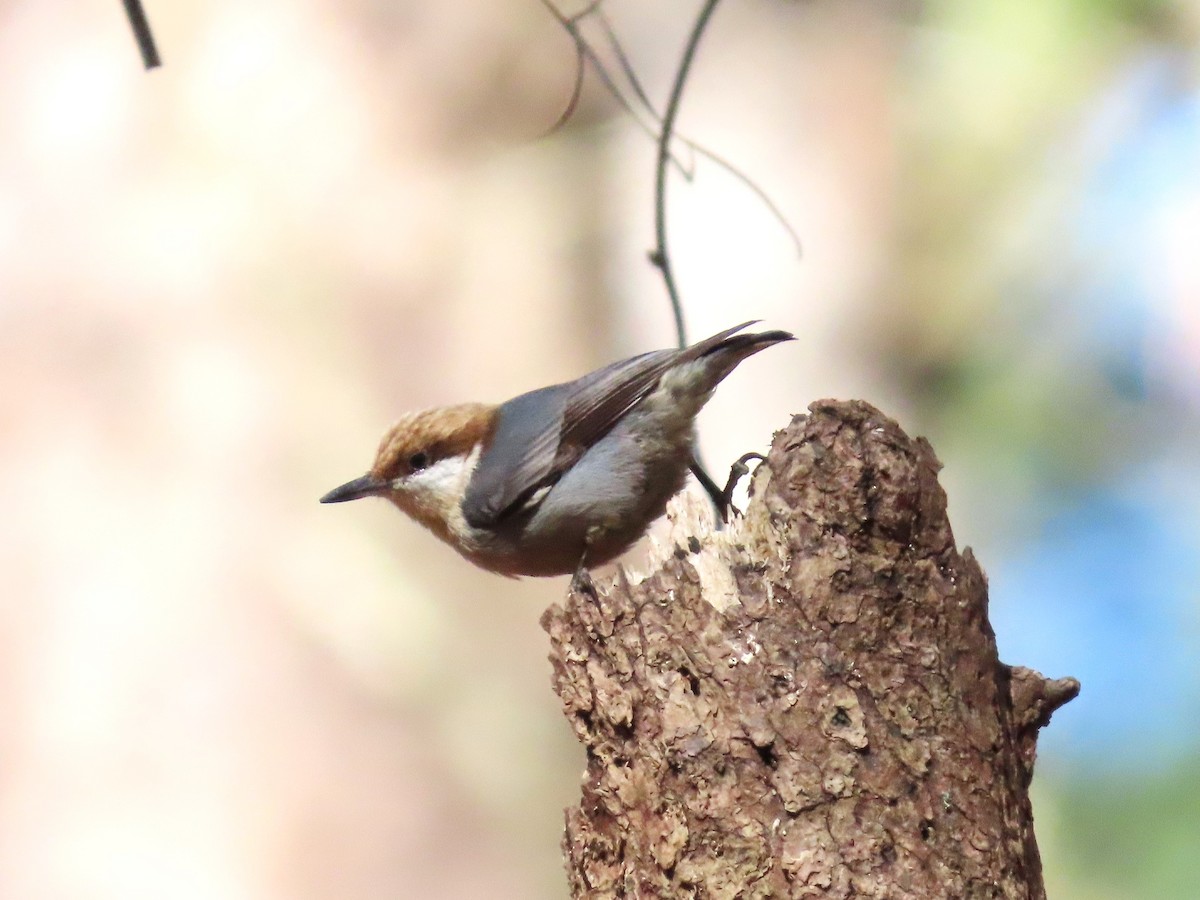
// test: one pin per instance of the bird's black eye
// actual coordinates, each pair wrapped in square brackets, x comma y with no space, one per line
[418,460]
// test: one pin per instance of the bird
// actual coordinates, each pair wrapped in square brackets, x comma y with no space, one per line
[560,478]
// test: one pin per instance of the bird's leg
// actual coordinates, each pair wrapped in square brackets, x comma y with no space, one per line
[581,581]
[710,487]
[736,473]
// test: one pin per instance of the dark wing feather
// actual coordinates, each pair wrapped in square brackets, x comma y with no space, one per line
[520,456]
[540,435]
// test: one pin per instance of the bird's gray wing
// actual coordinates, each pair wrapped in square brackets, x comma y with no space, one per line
[538,436]
[602,397]
[519,456]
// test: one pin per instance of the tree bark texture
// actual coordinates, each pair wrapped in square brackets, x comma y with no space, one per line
[808,703]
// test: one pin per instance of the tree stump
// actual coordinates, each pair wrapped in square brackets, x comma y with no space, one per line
[808,703]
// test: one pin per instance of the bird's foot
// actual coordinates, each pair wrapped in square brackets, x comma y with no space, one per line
[736,473]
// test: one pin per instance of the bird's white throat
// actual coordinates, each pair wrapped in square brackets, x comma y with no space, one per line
[441,481]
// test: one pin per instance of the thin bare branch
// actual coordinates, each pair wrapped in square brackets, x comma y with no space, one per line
[661,256]
[142,33]
[755,189]
[576,90]
[688,171]
[585,53]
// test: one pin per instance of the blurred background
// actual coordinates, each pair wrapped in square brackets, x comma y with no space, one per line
[220,281]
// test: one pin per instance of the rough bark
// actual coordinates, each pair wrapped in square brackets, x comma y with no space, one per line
[809,703]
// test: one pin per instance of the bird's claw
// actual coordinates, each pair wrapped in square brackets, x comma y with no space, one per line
[581,582]
[737,472]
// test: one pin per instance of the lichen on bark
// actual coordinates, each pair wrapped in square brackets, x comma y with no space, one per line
[808,703]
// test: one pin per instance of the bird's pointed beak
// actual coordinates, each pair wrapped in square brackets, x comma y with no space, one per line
[365,486]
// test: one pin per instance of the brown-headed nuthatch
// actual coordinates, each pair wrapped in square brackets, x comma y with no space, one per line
[562,477]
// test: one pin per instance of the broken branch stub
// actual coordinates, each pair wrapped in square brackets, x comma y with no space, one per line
[809,703]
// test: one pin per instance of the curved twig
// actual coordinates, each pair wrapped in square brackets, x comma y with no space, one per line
[661,257]
[614,43]
[570,25]
[688,171]
[772,207]
[585,54]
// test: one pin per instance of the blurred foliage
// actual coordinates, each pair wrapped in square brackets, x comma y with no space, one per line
[984,239]
[1133,836]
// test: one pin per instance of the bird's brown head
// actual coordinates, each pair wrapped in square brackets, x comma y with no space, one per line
[421,464]
[422,439]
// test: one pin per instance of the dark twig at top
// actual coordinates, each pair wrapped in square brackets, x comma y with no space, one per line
[142,33]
